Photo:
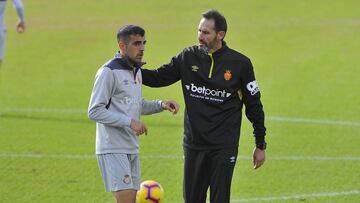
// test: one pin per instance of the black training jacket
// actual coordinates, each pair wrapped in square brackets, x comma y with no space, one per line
[215,87]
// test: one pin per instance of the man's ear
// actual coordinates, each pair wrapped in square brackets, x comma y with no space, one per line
[221,35]
[122,45]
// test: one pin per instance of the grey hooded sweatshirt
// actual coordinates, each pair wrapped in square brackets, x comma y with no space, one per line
[115,100]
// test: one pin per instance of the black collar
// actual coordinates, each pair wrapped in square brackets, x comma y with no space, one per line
[221,50]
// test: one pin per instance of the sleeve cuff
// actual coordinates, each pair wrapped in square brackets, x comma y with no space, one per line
[128,122]
[259,139]
[160,104]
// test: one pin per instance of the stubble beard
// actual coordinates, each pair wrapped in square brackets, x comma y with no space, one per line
[203,48]
[206,47]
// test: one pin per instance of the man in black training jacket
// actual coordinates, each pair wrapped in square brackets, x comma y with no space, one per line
[216,82]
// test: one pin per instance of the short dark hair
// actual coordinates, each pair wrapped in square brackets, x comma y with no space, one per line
[127,30]
[219,19]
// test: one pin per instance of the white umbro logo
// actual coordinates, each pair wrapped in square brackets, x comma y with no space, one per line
[232,159]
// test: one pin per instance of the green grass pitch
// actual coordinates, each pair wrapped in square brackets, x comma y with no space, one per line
[306,60]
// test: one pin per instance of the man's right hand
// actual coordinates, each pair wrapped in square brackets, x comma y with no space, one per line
[20,27]
[138,127]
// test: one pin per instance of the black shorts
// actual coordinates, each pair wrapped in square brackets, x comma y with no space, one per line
[212,168]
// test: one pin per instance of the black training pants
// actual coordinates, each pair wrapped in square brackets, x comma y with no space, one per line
[204,168]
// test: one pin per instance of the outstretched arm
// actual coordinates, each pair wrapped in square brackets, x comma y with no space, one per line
[165,75]
[156,106]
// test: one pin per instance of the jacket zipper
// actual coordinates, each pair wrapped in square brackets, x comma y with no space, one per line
[240,95]
[212,65]
[134,71]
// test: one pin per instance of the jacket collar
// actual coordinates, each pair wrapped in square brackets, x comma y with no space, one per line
[221,50]
[124,62]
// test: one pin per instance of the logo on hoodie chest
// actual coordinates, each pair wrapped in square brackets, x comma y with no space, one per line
[125,82]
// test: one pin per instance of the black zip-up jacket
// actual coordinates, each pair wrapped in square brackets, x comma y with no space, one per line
[215,87]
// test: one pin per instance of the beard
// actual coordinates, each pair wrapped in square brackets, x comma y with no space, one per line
[203,48]
[133,61]
[207,46]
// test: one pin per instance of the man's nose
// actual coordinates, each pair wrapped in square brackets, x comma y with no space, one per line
[142,47]
[200,36]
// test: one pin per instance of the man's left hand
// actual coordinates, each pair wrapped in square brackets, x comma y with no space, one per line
[258,157]
[171,106]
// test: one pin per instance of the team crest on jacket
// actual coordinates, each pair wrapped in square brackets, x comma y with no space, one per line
[227,75]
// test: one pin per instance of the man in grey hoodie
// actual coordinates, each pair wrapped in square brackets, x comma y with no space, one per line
[116,104]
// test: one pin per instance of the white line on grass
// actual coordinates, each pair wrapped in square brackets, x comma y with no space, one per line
[297,196]
[314,158]
[160,156]
[313,120]
[40,156]
[46,110]
[271,118]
